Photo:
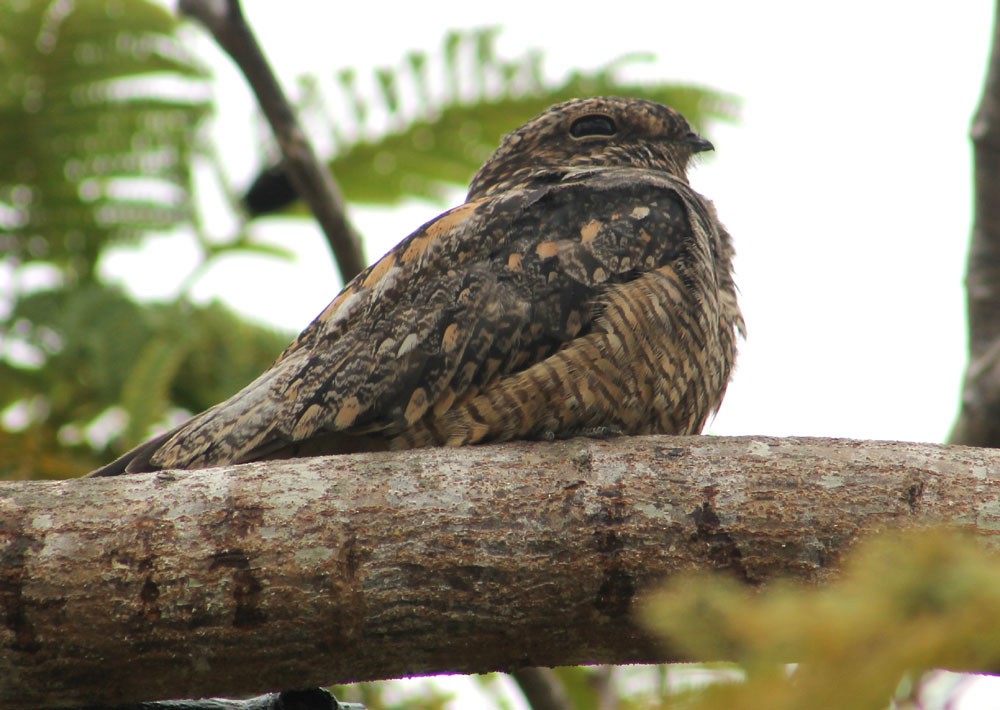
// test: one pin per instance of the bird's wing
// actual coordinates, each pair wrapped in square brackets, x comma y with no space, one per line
[484,290]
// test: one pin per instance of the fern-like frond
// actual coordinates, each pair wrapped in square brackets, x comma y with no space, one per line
[398,142]
[99,102]
[99,349]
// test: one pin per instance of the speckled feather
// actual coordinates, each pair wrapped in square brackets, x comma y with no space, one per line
[582,288]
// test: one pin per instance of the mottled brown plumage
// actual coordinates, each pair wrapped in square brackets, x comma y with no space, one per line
[582,288]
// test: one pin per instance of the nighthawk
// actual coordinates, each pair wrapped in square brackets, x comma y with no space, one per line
[582,288]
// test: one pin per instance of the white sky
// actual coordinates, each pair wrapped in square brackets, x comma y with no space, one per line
[846,184]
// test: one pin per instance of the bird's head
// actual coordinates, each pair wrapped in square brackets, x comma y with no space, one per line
[593,132]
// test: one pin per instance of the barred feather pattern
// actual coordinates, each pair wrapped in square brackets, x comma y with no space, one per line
[584,288]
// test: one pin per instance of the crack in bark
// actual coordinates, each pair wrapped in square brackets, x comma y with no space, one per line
[723,551]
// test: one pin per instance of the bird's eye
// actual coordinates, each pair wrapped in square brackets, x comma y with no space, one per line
[596,125]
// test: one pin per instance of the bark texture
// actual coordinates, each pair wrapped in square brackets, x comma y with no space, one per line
[313,571]
[979,419]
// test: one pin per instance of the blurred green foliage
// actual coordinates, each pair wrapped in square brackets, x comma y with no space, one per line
[407,139]
[907,603]
[392,695]
[100,113]
[96,149]
[437,145]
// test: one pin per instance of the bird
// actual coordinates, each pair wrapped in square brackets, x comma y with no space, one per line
[582,289]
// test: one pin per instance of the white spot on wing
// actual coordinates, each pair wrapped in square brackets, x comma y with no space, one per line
[344,309]
[387,282]
[409,342]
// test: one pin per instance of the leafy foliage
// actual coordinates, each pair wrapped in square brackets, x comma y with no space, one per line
[432,145]
[99,349]
[906,603]
[99,113]
[386,695]
[96,149]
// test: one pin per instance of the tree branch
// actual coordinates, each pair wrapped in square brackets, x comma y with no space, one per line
[979,419]
[308,572]
[311,179]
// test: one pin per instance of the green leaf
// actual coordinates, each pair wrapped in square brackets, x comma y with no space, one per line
[226,353]
[906,602]
[438,147]
[88,336]
[37,453]
[100,349]
[98,142]
[431,157]
[145,394]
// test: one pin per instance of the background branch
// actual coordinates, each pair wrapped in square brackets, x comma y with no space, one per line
[542,688]
[311,178]
[314,571]
[979,419]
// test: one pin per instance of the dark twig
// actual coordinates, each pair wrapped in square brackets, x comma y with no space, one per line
[979,421]
[225,20]
[542,689]
[604,685]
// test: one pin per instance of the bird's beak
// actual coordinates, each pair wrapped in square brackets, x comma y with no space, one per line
[697,143]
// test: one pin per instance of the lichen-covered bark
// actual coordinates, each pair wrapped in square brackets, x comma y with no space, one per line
[979,419]
[314,571]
